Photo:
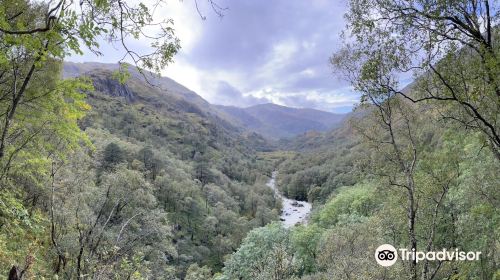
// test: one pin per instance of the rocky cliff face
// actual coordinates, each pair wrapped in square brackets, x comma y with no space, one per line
[164,96]
[113,88]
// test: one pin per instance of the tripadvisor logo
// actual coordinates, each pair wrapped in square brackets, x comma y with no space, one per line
[387,255]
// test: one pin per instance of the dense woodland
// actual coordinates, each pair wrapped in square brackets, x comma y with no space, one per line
[111,172]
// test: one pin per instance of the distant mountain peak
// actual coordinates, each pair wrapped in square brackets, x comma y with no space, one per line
[278,121]
[271,120]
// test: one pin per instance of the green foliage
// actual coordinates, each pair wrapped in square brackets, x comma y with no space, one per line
[455,183]
[265,253]
[349,205]
[451,46]
[113,155]
[130,204]
[52,130]
[157,187]
[65,29]
[346,252]
[44,129]
[305,240]
[203,220]
[153,189]
[195,272]
[22,236]
[314,174]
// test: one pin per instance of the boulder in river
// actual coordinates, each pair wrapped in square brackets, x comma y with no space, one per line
[292,211]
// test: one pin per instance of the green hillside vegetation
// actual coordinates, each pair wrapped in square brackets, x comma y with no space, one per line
[157,188]
[277,122]
[106,176]
[416,168]
[360,203]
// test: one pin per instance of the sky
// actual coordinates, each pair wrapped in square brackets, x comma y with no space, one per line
[260,51]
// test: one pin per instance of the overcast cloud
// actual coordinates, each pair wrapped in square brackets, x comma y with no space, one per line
[260,51]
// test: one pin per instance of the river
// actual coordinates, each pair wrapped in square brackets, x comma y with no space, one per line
[293,211]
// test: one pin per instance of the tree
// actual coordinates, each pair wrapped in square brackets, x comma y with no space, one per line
[53,29]
[152,164]
[353,203]
[305,240]
[113,155]
[202,169]
[195,272]
[345,253]
[49,130]
[111,230]
[451,46]
[36,36]
[265,253]
[457,67]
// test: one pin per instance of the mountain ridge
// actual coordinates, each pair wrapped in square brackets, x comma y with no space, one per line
[270,120]
[277,121]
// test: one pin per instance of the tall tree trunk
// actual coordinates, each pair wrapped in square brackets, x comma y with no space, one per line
[14,273]
[411,231]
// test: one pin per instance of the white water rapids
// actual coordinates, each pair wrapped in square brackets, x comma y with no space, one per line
[293,211]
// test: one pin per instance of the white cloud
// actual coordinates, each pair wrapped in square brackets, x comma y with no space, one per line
[188,24]
[185,74]
[282,54]
[269,56]
[203,82]
[308,72]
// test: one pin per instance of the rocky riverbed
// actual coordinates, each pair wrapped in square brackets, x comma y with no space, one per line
[293,211]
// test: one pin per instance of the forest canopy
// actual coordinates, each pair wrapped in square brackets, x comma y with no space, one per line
[108,171]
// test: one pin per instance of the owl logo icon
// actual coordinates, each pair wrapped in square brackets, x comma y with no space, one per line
[386,255]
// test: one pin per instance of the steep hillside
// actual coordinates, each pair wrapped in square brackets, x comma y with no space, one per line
[275,121]
[356,182]
[270,120]
[323,162]
[165,96]
[162,84]
[164,183]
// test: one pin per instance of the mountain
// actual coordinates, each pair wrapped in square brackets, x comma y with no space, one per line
[275,121]
[174,166]
[161,90]
[164,95]
[165,84]
[269,120]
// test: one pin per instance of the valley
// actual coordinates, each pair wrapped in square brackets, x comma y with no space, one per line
[164,166]
[293,212]
[123,169]
[276,122]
